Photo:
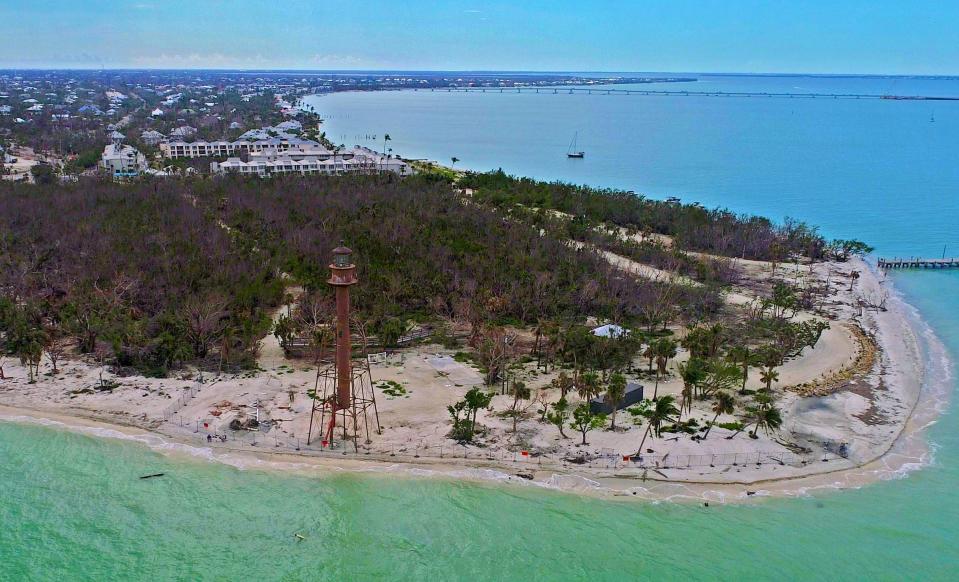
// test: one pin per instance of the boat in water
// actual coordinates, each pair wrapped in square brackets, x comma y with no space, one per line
[573,152]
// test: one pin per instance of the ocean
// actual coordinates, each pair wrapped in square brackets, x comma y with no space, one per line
[72,507]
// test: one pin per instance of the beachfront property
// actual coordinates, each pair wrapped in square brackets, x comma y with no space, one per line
[312,160]
[122,161]
[177,148]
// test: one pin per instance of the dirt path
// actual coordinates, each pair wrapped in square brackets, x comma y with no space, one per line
[271,353]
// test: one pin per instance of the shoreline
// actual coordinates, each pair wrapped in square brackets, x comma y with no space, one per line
[892,458]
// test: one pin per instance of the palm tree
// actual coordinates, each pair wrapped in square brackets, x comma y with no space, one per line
[693,373]
[664,350]
[454,159]
[767,418]
[615,393]
[650,354]
[745,357]
[724,404]
[588,385]
[663,409]
[520,392]
[563,382]
[768,376]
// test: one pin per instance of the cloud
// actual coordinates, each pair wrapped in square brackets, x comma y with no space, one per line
[200,60]
[346,61]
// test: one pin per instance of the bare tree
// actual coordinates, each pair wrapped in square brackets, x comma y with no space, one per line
[205,321]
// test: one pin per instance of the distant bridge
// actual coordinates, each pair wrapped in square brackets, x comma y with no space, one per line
[750,94]
[918,263]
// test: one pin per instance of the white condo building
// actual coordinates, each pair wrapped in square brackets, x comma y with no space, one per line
[200,149]
[314,160]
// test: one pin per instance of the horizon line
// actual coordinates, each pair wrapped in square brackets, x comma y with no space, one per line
[486,71]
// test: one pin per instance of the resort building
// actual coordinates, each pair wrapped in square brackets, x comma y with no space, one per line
[122,161]
[308,161]
[215,149]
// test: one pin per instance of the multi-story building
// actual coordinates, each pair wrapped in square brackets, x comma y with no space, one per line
[306,162]
[122,161]
[215,149]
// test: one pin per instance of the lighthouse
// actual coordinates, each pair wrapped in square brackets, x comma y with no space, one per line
[342,277]
[343,392]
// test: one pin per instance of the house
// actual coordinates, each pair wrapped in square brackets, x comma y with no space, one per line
[122,161]
[633,394]
[610,331]
[289,125]
[157,112]
[183,132]
[152,137]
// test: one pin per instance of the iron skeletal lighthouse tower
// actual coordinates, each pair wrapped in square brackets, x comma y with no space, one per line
[347,386]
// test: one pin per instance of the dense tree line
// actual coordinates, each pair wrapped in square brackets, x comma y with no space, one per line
[424,252]
[153,274]
[133,273]
[693,227]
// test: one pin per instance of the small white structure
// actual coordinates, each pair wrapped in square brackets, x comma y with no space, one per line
[157,112]
[610,330]
[122,161]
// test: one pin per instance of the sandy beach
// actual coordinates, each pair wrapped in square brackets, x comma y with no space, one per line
[865,426]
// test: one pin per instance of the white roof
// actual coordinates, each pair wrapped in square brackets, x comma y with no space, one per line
[610,330]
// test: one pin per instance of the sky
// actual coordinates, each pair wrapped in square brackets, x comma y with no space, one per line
[772,36]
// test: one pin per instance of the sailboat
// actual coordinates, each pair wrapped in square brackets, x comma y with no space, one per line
[932,118]
[573,152]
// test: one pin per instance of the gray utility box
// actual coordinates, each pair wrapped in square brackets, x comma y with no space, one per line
[634,393]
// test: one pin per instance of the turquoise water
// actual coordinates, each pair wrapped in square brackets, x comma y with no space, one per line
[72,507]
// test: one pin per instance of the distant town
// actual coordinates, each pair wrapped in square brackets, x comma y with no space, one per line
[126,124]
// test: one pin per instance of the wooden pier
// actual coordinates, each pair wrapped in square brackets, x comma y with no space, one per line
[918,263]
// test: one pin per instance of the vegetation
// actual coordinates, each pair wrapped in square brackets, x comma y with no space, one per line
[149,276]
[135,272]
[584,420]
[463,414]
[693,227]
